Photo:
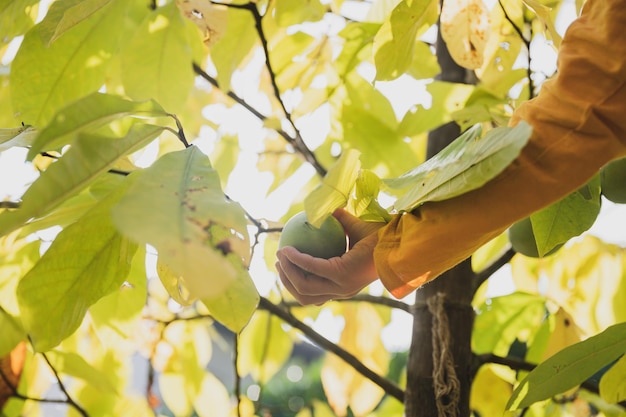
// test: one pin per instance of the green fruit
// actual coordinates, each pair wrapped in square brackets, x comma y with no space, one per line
[613,181]
[326,242]
[523,241]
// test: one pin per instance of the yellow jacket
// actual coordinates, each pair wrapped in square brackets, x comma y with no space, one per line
[579,124]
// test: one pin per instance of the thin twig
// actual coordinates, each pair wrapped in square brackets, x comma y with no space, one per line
[16,394]
[388,386]
[237,376]
[64,390]
[531,87]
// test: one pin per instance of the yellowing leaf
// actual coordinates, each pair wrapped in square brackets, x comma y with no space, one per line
[173,284]
[263,347]
[335,189]
[177,206]
[211,19]
[234,307]
[489,392]
[213,399]
[465,29]
[564,334]
[343,385]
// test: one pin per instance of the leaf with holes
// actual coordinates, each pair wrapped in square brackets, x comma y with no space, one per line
[465,29]
[177,206]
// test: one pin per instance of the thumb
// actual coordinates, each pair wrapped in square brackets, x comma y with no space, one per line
[355,228]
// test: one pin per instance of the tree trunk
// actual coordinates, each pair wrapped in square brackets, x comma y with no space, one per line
[448,298]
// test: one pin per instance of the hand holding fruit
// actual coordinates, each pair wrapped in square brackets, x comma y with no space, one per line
[315,280]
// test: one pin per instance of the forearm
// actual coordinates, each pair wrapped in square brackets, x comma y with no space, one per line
[579,124]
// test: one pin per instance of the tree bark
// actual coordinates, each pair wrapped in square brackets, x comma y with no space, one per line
[454,290]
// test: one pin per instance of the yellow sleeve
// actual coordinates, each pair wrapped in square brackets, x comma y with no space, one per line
[579,124]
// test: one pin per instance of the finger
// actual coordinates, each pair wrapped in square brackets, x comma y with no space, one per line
[304,280]
[303,299]
[317,266]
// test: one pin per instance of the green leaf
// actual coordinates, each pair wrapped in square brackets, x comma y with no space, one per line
[570,367]
[235,46]
[395,41]
[264,347]
[16,17]
[90,112]
[464,165]
[12,332]
[90,156]
[358,38]
[75,15]
[365,204]
[120,311]
[87,260]
[178,207]
[368,123]
[291,12]
[447,99]
[613,382]
[157,62]
[503,319]
[335,189]
[234,307]
[20,136]
[75,65]
[567,218]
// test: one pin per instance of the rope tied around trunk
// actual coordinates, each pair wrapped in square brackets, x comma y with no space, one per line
[446,385]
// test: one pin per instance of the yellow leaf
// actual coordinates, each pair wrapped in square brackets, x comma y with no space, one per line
[465,29]
[213,399]
[490,392]
[565,333]
[344,386]
[613,382]
[173,284]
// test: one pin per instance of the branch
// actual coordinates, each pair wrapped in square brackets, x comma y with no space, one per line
[484,275]
[388,386]
[16,394]
[373,299]
[297,142]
